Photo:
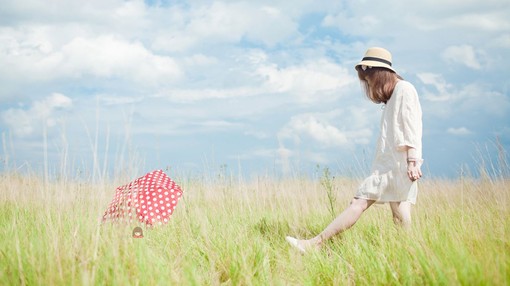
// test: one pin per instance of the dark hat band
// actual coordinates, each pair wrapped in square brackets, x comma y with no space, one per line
[376,60]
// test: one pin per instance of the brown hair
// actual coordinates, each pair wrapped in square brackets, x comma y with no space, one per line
[383,83]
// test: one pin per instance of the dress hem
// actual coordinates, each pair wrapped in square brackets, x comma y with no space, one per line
[378,201]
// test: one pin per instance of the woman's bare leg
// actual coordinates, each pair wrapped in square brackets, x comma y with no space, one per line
[401,213]
[341,223]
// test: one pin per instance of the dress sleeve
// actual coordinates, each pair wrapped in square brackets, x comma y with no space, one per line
[410,119]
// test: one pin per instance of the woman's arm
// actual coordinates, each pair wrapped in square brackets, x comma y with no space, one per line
[411,122]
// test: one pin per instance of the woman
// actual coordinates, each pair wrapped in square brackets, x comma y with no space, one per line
[398,157]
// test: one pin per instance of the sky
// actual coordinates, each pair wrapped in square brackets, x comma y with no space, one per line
[254,88]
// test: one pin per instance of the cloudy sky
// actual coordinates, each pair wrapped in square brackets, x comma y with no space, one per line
[267,87]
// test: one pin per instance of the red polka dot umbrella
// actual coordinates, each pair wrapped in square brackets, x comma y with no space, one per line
[151,199]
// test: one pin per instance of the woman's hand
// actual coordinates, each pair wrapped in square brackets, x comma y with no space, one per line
[413,171]
[413,164]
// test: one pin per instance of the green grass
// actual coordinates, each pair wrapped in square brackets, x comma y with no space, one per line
[233,234]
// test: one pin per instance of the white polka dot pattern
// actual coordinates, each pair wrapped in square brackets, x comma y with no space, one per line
[151,199]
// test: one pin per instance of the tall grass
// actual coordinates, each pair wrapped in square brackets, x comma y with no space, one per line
[232,232]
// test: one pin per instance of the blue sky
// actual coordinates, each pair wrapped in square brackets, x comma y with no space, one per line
[265,86]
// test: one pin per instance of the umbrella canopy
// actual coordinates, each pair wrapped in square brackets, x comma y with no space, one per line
[150,199]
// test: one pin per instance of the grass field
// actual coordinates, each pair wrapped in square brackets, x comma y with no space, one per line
[232,232]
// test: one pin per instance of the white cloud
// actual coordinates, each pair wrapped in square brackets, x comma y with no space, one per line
[463,55]
[197,94]
[200,60]
[502,41]
[461,131]
[309,137]
[478,98]
[106,56]
[257,134]
[442,88]
[321,132]
[42,112]
[462,99]
[107,13]
[103,56]
[494,21]
[226,22]
[306,127]
[312,81]
[490,16]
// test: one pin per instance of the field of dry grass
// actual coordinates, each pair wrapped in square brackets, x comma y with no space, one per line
[231,232]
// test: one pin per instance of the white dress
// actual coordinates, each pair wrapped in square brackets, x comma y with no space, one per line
[401,126]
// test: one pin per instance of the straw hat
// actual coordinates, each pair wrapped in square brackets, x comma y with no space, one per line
[377,57]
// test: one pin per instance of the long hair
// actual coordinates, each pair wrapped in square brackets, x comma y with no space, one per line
[382,80]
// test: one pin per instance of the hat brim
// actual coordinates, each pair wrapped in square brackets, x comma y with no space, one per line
[376,64]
